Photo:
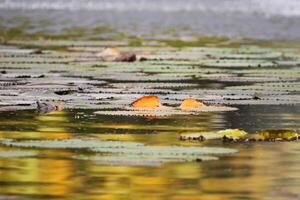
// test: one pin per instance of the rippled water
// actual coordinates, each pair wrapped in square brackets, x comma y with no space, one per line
[258,171]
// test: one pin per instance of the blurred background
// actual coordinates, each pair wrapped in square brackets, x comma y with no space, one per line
[185,20]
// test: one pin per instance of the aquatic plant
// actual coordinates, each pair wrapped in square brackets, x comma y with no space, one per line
[146,102]
[17,154]
[240,136]
[173,74]
[121,152]
[191,103]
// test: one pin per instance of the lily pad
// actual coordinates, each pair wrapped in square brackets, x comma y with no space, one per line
[73,143]
[232,133]
[17,154]
[168,111]
[240,136]
[145,160]
[118,152]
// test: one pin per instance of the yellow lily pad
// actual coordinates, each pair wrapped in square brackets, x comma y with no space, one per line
[231,133]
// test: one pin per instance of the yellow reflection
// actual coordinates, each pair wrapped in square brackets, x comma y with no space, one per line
[33,176]
[200,122]
[53,122]
[49,126]
[251,174]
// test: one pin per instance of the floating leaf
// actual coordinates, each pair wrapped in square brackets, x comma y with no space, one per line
[165,111]
[73,143]
[142,113]
[212,109]
[68,43]
[240,136]
[202,73]
[146,102]
[232,133]
[238,64]
[191,103]
[17,154]
[126,152]
[146,161]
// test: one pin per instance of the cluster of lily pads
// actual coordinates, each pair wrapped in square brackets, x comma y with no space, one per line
[138,154]
[148,82]
[151,106]
[240,136]
[89,76]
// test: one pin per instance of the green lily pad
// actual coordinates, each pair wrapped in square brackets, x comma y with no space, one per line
[215,75]
[125,152]
[137,160]
[160,112]
[73,143]
[17,154]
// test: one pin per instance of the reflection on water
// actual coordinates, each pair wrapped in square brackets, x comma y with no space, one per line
[258,171]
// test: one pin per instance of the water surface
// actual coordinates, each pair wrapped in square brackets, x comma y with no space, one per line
[258,171]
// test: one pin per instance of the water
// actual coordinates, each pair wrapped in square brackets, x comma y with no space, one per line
[288,8]
[159,19]
[258,171]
